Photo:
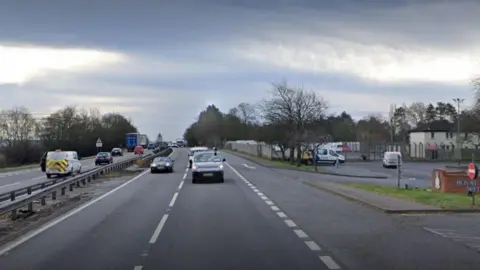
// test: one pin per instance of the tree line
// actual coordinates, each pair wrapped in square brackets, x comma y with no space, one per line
[292,116]
[24,137]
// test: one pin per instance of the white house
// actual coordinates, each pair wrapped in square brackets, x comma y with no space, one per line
[439,135]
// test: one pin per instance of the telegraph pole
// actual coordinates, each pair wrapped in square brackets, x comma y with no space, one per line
[458,146]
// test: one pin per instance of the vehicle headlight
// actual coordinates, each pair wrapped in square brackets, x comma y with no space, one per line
[220,166]
[153,165]
[194,167]
[168,164]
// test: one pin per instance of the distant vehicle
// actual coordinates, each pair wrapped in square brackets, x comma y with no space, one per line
[103,158]
[117,152]
[181,143]
[62,163]
[390,159]
[162,164]
[152,146]
[139,150]
[192,152]
[143,140]
[207,165]
[133,140]
[329,156]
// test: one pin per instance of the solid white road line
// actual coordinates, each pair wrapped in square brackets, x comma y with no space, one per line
[329,262]
[9,185]
[158,230]
[181,185]
[172,202]
[54,222]
[185,176]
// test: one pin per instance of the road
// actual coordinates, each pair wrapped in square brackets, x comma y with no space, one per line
[257,219]
[18,179]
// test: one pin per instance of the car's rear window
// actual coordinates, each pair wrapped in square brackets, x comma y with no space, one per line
[102,154]
[56,155]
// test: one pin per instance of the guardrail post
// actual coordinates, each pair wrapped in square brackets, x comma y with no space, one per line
[84,182]
[70,187]
[44,200]
[89,179]
[14,215]
[62,192]
[29,190]
[12,196]
[77,184]
[30,207]
[54,195]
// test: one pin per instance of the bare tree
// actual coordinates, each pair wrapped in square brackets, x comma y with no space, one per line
[247,113]
[416,113]
[296,108]
[17,127]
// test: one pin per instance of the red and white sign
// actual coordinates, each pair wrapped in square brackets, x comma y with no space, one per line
[472,171]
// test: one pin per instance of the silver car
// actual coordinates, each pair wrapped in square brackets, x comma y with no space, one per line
[162,164]
[207,165]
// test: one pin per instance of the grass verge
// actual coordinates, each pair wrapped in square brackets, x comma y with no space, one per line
[18,168]
[423,196]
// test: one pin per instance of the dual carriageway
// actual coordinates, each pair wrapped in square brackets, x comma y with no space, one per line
[260,218]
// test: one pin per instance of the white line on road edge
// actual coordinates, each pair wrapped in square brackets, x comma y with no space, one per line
[181,185]
[246,166]
[312,245]
[54,222]
[290,223]
[300,233]
[158,230]
[327,260]
[172,202]
[9,185]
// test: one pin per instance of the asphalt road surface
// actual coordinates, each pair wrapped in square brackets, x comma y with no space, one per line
[258,219]
[18,179]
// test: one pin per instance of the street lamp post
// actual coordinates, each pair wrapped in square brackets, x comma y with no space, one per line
[458,147]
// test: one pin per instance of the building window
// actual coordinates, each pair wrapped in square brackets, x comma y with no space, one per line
[432,135]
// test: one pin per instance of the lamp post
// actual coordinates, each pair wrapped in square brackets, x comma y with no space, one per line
[458,146]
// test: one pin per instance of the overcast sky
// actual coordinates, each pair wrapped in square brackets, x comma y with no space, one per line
[161,63]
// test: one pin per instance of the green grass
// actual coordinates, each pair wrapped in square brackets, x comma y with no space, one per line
[17,168]
[423,196]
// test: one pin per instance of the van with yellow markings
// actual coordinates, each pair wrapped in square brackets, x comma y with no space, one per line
[62,163]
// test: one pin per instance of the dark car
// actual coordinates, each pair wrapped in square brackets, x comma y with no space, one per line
[162,164]
[103,158]
[117,152]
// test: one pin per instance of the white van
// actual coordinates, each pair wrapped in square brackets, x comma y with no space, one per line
[62,163]
[390,159]
[326,155]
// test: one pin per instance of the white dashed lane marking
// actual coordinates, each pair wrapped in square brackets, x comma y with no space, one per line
[312,245]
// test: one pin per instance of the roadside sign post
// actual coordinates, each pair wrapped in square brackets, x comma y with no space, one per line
[472,175]
[99,145]
[399,172]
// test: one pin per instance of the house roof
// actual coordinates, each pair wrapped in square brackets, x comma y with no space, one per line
[435,126]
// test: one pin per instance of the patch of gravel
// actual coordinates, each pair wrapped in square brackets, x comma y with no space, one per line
[27,221]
